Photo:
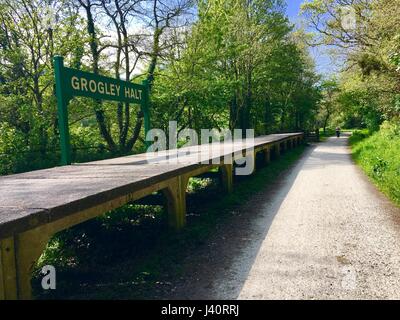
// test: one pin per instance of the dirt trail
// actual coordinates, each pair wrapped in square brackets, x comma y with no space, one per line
[323,232]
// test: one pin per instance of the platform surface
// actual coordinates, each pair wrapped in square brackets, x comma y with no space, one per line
[28,200]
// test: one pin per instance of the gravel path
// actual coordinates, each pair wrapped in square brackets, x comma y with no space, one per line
[323,233]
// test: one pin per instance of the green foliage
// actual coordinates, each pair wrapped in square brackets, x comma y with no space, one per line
[27,105]
[379,156]
[12,149]
[369,82]
[358,135]
[328,103]
[238,64]
[242,68]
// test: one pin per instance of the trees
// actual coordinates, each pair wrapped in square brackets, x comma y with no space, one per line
[129,49]
[241,68]
[225,64]
[28,43]
[370,51]
[329,101]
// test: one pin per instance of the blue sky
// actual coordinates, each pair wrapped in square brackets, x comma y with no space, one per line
[323,62]
[293,7]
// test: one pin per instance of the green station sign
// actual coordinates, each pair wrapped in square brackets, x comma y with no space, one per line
[72,83]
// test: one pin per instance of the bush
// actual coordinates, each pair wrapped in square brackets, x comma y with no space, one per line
[359,135]
[379,156]
[13,149]
[20,152]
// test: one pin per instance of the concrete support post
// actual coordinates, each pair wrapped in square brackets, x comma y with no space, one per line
[175,194]
[226,171]
[19,255]
[29,246]
[267,155]
[253,158]
[275,151]
[8,273]
[282,147]
[278,150]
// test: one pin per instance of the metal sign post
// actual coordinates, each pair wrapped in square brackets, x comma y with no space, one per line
[76,83]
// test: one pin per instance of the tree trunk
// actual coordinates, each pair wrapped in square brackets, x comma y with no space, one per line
[154,56]
[100,116]
[42,126]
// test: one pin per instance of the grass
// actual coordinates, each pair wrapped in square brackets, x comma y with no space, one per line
[378,154]
[130,253]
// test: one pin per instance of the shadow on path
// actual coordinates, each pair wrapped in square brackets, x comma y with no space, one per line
[214,271]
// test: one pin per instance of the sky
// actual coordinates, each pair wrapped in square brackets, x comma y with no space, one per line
[293,7]
[324,65]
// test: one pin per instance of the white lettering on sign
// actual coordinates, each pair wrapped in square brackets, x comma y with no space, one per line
[101,87]
[92,86]
[83,84]
[133,93]
[75,83]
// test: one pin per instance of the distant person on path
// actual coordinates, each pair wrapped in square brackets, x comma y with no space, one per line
[338,132]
